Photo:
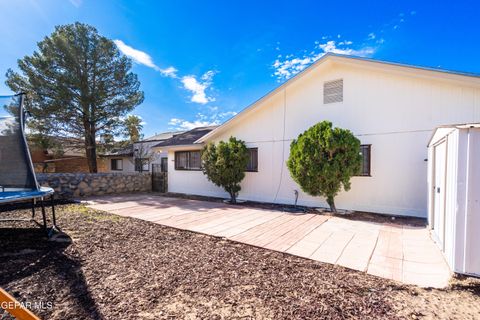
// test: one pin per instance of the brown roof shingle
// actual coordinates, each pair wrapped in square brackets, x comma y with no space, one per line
[186,138]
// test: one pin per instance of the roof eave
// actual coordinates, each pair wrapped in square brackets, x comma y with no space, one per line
[174,146]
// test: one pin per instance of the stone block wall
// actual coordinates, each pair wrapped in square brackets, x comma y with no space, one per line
[74,185]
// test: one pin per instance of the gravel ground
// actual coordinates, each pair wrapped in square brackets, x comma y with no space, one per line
[123,268]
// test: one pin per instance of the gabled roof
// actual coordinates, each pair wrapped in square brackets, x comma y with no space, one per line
[186,138]
[162,136]
[121,152]
[449,75]
[128,150]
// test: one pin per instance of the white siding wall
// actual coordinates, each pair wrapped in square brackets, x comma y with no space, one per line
[127,162]
[395,113]
[190,182]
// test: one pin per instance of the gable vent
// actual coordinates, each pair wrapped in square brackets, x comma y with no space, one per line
[333,91]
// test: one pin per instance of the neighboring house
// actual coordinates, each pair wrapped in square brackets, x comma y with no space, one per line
[120,160]
[139,156]
[392,108]
[68,159]
[188,159]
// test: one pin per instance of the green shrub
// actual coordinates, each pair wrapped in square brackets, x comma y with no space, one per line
[225,165]
[323,159]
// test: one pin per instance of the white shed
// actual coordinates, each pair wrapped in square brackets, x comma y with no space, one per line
[454,195]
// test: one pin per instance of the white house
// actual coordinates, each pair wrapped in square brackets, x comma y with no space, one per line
[392,108]
[140,156]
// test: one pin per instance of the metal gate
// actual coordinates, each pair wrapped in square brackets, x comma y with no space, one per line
[159,178]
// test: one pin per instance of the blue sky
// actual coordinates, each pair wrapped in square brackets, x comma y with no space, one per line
[200,62]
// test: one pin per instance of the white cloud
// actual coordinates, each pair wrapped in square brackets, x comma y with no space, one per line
[287,68]
[143,58]
[330,46]
[290,66]
[371,36]
[201,120]
[169,72]
[208,76]
[137,55]
[180,124]
[198,88]
[76,3]
[227,114]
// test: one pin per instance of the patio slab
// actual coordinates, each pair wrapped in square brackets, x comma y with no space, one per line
[399,252]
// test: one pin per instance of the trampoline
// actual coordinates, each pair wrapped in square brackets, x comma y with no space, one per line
[17,176]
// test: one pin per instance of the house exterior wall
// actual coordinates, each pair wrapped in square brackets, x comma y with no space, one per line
[79,164]
[129,162]
[190,181]
[394,112]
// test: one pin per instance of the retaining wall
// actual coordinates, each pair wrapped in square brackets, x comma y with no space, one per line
[71,185]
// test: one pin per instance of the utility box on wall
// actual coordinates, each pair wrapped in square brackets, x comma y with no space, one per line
[454,195]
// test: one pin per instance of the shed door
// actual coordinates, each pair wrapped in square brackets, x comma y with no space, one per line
[439,193]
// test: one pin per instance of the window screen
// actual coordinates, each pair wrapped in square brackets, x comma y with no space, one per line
[365,152]
[187,160]
[252,159]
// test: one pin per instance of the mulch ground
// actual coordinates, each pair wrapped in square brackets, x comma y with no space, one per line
[123,268]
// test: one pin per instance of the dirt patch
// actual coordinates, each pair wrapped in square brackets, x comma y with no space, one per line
[124,268]
[461,300]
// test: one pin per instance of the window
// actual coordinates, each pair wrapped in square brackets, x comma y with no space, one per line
[333,91]
[116,164]
[365,151]
[252,160]
[187,160]
[141,164]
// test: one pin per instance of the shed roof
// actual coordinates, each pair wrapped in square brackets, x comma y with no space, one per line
[442,131]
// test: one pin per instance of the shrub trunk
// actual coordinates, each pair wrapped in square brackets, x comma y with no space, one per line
[331,203]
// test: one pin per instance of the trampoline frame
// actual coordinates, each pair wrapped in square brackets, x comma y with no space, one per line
[33,197]
[13,195]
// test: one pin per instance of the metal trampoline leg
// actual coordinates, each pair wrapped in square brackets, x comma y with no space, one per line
[33,209]
[54,218]
[44,217]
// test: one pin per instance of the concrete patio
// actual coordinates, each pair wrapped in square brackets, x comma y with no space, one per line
[394,251]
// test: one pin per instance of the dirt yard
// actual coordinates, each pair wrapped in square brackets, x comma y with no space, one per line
[123,268]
